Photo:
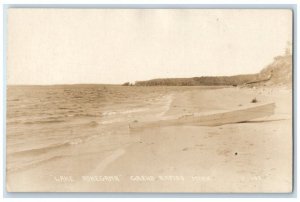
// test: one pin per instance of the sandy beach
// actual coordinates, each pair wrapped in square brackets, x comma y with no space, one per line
[254,156]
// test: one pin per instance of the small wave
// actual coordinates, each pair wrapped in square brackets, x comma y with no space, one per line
[53,147]
[134,111]
[44,121]
[63,108]
[86,115]
[110,113]
[13,100]
[93,124]
[111,121]
[14,122]
[41,150]
[82,115]
[91,137]
[75,141]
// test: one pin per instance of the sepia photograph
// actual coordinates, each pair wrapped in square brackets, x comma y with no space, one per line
[149,100]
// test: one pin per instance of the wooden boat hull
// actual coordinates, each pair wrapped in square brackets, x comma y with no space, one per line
[241,114]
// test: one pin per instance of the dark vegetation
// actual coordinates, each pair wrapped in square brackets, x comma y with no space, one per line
[279,72]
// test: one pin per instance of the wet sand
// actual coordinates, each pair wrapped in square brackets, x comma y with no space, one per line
[255,156]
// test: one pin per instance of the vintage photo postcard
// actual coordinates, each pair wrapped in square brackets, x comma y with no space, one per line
[149,100]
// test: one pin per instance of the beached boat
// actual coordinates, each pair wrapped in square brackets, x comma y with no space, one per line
[237,115]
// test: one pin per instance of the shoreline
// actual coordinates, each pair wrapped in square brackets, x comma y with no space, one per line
[231,153]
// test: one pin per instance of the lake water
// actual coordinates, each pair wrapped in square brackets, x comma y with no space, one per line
[46,122]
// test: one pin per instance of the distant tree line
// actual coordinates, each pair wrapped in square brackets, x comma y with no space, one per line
[203,81]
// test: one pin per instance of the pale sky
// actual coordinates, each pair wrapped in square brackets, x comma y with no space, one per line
[68,46]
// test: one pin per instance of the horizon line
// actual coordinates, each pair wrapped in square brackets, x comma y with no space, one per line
[116,84]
